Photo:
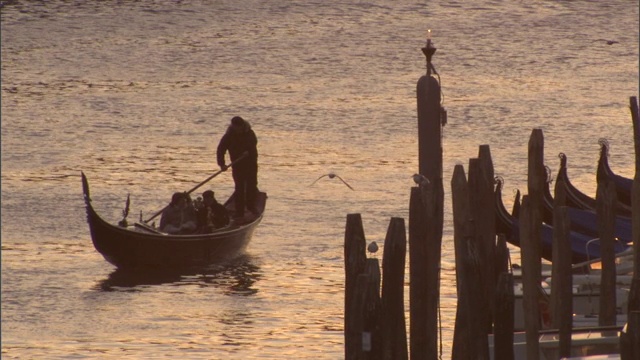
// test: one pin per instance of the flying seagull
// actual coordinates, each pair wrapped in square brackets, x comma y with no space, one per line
[609,42]
[331,176]
[420,180]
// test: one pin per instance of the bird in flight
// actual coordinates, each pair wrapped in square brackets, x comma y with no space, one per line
[609,42]
[331,176]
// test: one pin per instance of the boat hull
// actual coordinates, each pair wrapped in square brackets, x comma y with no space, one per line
[127,247]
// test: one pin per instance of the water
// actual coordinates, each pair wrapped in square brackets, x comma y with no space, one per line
[137,94]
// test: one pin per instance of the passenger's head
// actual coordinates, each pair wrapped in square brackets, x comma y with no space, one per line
[179,199]
[208,196]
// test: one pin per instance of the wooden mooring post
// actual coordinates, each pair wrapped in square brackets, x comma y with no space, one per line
[630,340]
[635,192]
[481,198]
[562,285]
[375,327]
[605,209]
[426,218]
[530,279]
[355,260]
[504,304]
[470,333]
[394,331]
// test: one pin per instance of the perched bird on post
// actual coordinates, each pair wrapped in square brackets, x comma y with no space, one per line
[332,175]
[373,247]
[420,180]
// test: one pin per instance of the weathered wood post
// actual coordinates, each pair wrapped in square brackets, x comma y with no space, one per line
[635,192]
[473,272]
[357,320]
[631,341]
[355,259]
[481,199]
[431,117]
[488,228]
[393,329]
[371,336]
[504,304]
[462,348]
[470,337]
[605,209]
[418,275]
[531,274]
[562,284]
[536,178]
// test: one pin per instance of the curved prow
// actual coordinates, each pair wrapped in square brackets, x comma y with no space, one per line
[603,161]
[504,221]
[85,187]
[623,185]
[573,196]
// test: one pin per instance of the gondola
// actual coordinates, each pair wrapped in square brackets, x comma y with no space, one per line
[577,199]
[143,246]
[623,185]
[584,221]
[583,247]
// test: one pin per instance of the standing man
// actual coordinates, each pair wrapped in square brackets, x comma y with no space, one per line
[239,139]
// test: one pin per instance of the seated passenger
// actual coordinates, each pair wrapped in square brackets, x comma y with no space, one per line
[212,215]
[179,217]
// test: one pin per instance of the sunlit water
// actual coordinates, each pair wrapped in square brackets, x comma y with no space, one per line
[137,95]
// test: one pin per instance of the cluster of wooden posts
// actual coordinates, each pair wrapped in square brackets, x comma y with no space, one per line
[374,313]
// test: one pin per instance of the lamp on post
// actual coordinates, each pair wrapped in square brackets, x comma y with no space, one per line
[428,51]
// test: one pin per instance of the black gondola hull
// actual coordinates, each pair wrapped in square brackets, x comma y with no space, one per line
[130,248]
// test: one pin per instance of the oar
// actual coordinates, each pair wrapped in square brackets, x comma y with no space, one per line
[202,183]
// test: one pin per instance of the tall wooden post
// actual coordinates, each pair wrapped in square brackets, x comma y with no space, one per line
[503,333]
[418,275]
[394,332]
[481,198]
[530,278]
[462,348]
[488,228]
[430,122]
[635,192]
[562,285]
[536,178]
[632,347]
[504,304]
[605,209]
[355,259]
[371,329]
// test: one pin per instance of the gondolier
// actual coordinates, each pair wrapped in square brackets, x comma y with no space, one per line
[237,140]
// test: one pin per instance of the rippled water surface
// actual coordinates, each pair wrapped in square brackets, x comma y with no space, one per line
[137,94]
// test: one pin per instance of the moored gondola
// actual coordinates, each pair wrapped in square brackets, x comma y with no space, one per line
[584,221]
[622,184]
[577,199]
[583,247]
[143,246]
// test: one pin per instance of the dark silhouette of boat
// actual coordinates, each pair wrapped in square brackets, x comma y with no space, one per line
[143,246]
[584,221]
[577,199]
[583,247]
[623,185]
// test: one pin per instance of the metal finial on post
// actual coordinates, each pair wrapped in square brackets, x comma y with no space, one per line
[428,51]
